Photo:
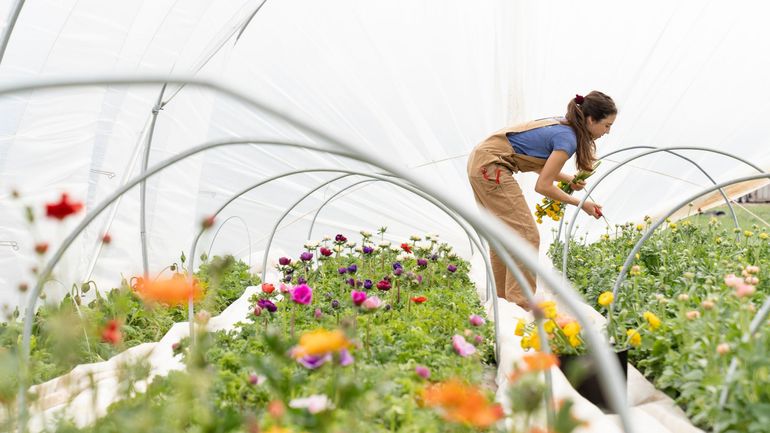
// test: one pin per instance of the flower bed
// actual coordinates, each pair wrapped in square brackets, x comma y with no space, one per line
[685,306]
[376,338]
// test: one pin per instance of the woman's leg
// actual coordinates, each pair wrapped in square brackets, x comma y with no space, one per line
[501,195]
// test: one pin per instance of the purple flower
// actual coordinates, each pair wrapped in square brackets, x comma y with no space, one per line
[462,347]
[336,304]
[383,285]
[351,282]
[312,362]
[398,271]
[284,261]
[345,358]
[353,268]
[367,249]
[422,262]
[476,320]
[340,239]
[302,294]
[358,297]
[301,280]
[397,265]
[434,257]
[268,305]
[419,279]
[422,371]
[306,256]
[451,268]
[342,270]
[368,284]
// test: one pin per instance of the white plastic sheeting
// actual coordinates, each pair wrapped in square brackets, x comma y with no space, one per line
[417,82]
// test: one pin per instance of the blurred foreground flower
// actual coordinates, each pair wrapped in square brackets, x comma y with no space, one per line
[320,342]
[173,291]
[63,208]
[462,403]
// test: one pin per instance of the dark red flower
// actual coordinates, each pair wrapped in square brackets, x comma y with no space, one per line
[207,222]
[383,285]
[111,332]
[106,239]
[41,248]
[406,248]
[419,299]
[326,252]
[63,208]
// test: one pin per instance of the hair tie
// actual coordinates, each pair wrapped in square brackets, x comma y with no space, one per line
[579,99]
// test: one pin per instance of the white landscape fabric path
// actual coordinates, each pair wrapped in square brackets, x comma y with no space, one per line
[651,410]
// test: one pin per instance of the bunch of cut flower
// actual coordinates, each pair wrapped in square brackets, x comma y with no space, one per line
[554,208]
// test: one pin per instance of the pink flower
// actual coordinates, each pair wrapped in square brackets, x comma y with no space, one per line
[723,348]
[346,358]
[752,269]
[744,290]
[358,297]
[478,339]
[422,371]
[285,288]
[692,315]
[732,281]
[318,314]
[462,347]
[372,303]
[476,320]
[302,294]
[314,403]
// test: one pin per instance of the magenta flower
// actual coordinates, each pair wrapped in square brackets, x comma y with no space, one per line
[312,362]
[422,371]
[451,268]
[284,261]
[462,347]
[383,285]
[306,256]
[358,297]
[476,320]
[422,262]
[302,294]
[267,304]
[325,252]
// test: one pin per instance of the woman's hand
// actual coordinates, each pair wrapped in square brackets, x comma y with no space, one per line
[593,209]
[577,186]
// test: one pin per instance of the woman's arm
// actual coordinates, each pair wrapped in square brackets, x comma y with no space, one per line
[550,173]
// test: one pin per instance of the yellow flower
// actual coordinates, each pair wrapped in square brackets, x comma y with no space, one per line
[672,225]
[606,299]
[748,234]
[763,235]
[519,328]
[652,319]
[605,237]
[571,329]
[639,227]
[549,309]
[320,342]
[634,338]
[534,341]
[574,341]
[549,325]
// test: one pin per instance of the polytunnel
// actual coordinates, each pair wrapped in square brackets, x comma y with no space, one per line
[255,215]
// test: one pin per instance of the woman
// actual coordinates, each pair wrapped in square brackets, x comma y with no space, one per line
[542,146]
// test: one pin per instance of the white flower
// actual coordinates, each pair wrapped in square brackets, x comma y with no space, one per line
[366,234]
[415,238]
[384,244]
[327,238]
[424,246]
[350,244]
[313,404]
[404,256]
[395,248]
[338,248]
[311,245]
[359,250]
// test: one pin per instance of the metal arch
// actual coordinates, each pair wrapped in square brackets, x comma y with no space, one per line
[214,238]
[143,185]
[565,248]
[327,201]
[721,192]
[758,319]
[491,289]
[243,28]
[12,18]
[486,224]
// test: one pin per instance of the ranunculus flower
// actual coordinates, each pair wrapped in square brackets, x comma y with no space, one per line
[353,268]
[723,348]
[335,304]
[320,342]
[257,311]
[340,239]
[285,288]
[422,262]
[406,248]
[41,248]
[268,288]
[351,282]
[707,304]
[346,358]
[451,268]
[398,271]
[368,284]
[301,280]
[173,291]
[268,305]
[462,347]
[692,315]
[314,404]
[634,338]
[397,265]
[306,256]
[63,208]
[383,285]
[372,303]
[325,252]
[478,339]
[652,319]
[419,299]
[111,333]
[745,290]
[302,294]
[312,362]
[606,299]
[358,297]
[284,261]
[434,257]
[476,320]
[342,270]
[318,314]
[367,249]
[256,379]
[422,371]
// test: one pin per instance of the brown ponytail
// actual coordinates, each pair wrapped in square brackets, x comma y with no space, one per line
[597,105]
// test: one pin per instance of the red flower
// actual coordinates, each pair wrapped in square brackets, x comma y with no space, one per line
[406,248]
[419,299]
[207,222]
[106,239]
[111,332]
[41,248]
[268,288]
[326,252]
[63,208]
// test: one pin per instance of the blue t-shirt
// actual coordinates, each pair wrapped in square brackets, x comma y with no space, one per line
[540,142]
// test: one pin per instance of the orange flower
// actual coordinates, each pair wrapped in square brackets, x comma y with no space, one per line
[320,342]
[462,403]
[172,291]
[540,361]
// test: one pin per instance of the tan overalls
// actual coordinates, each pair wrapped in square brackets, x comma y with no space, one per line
[490,167]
